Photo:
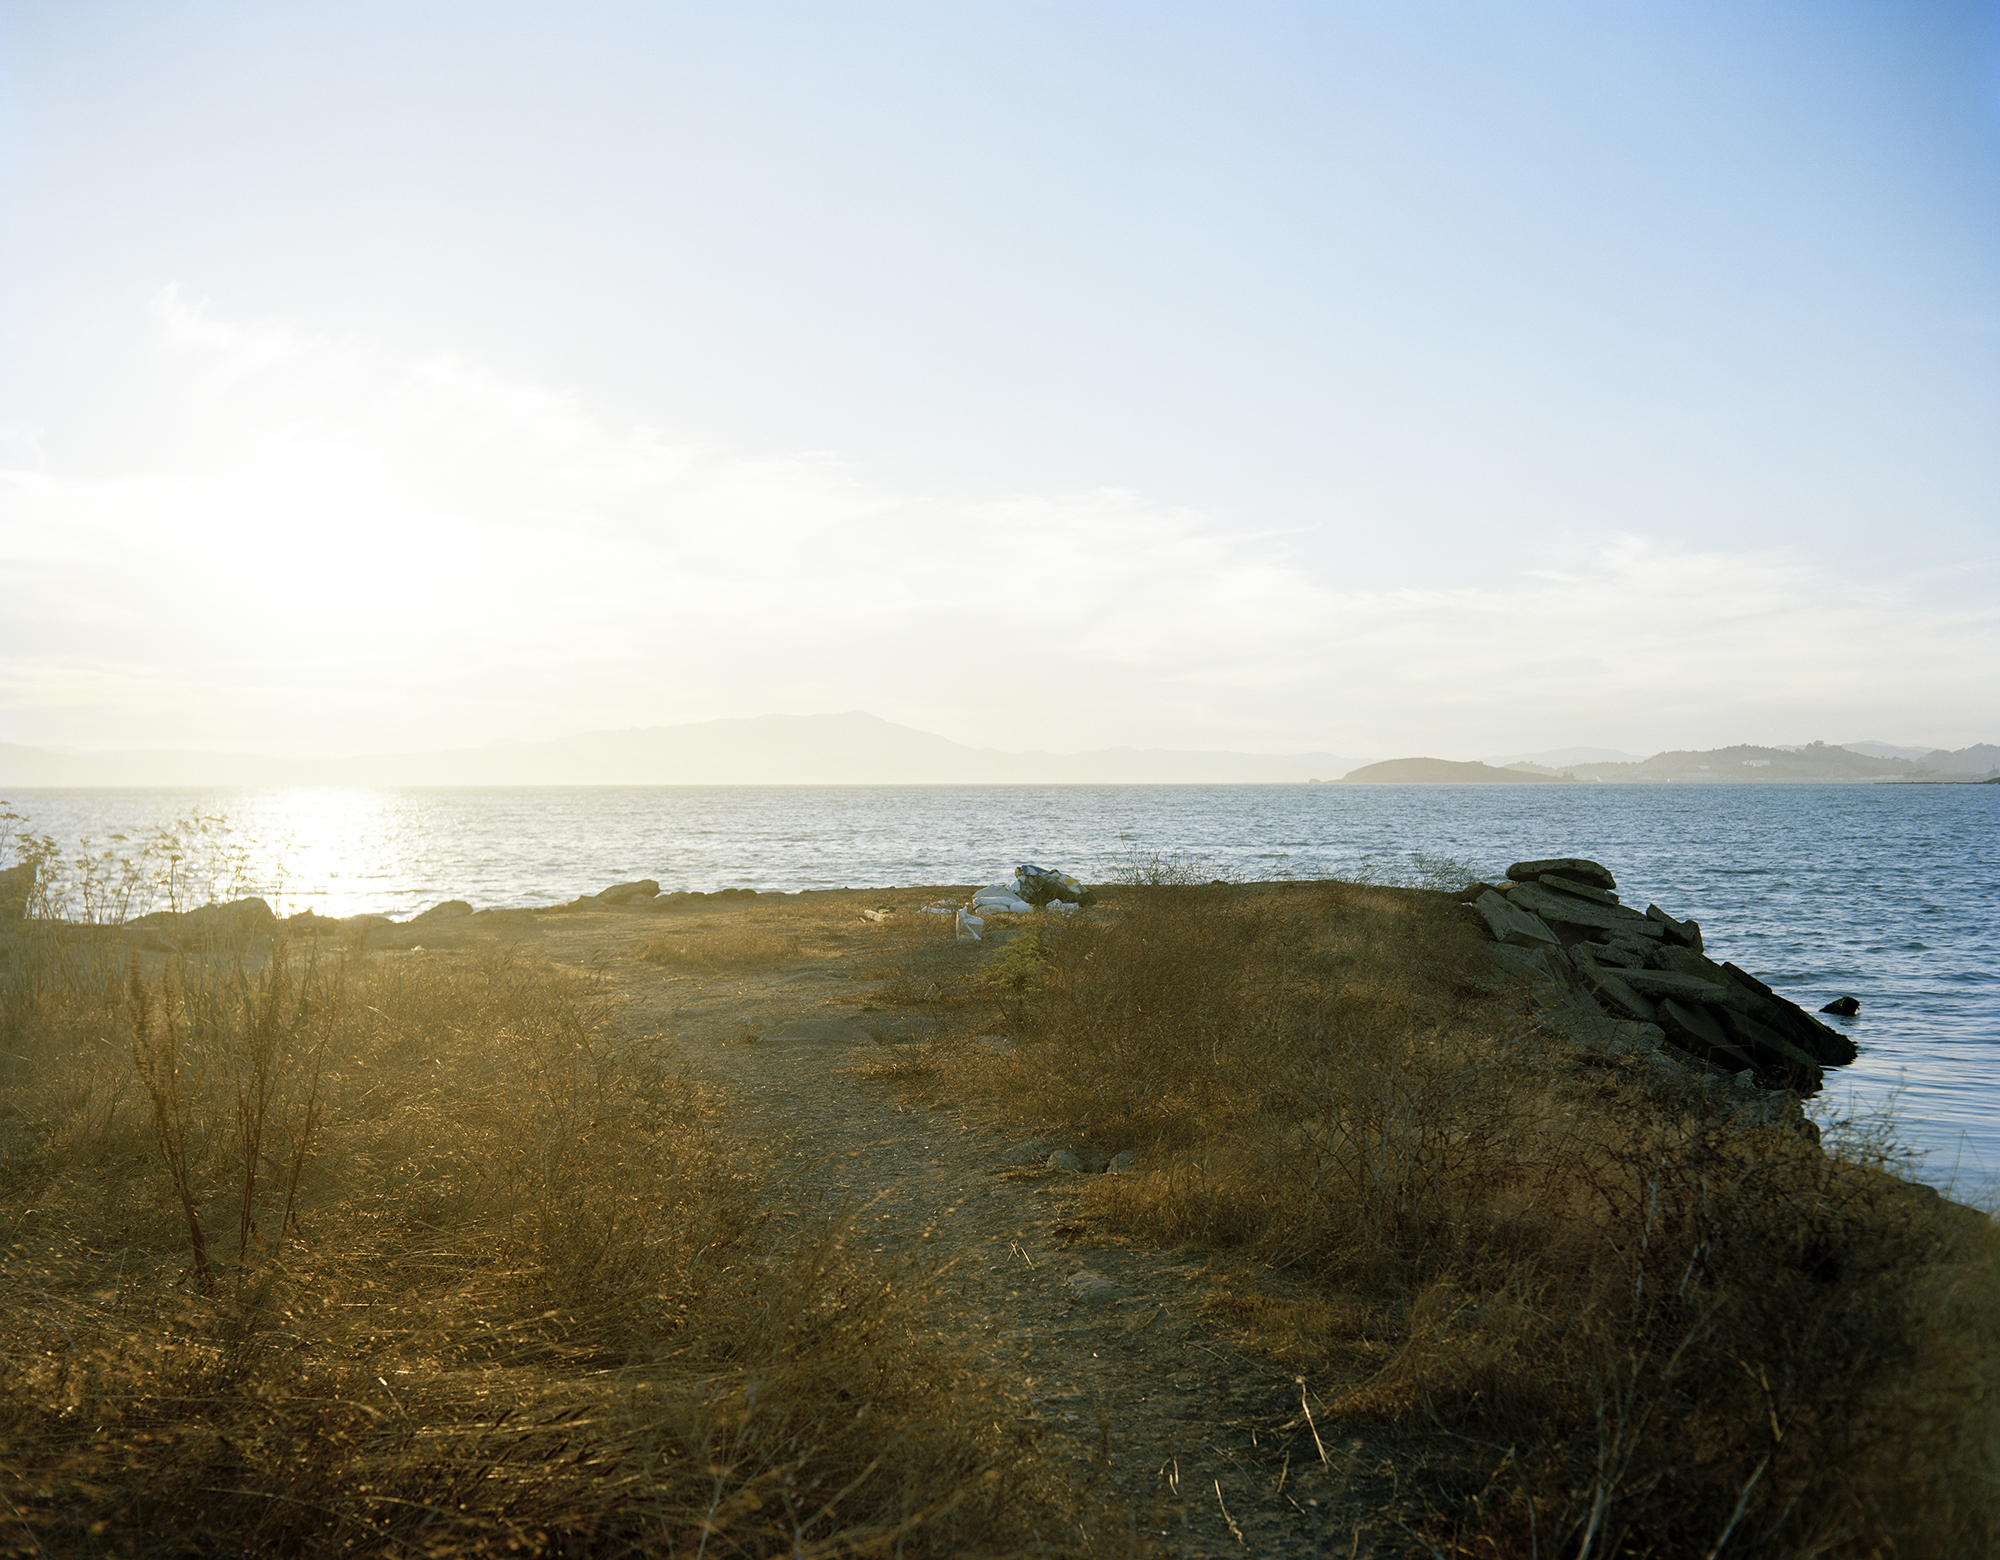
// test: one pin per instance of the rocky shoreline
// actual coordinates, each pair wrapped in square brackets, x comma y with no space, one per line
[1560,921]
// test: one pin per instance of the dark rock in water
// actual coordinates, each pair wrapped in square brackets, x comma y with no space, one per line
[1824,1044]
[1842,1007]
[1801,1072]
[1829,1044]
[1590,872]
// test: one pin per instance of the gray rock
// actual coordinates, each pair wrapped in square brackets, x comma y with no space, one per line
[1685,961]
[1063,1159]
[1513,925]
[1612,994]
[1843,1007]
[1614,1036]
[450,909]
[1622,954]
[1671,983]
[1750,982]
[1772,1050]
[1591,872]
[1576,886]
[625,893]
[1536,964]
[1122,1162]
[1686,934]
[1093,1288]
[1029,1151]
[1571,911]
[999,1045]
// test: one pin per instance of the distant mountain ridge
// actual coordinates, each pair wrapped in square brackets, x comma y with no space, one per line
[853,748]
[1744,764]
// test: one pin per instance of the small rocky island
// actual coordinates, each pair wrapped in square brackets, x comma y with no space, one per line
[1560,920]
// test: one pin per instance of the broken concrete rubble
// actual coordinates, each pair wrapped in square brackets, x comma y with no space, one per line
[1650,970]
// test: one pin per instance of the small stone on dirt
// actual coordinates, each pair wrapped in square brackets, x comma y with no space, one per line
[1092,1288]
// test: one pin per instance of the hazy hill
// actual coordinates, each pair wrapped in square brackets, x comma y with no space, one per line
[1979,761]
[1442,771]
[854,748]
[1745,763]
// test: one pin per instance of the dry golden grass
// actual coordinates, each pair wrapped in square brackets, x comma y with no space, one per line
[1643,1327]
[481,1277]
[761,936]
[713,950]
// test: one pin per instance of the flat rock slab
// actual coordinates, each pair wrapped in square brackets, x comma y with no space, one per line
[1594,873]
[1578,887]
[820,1031]
[1571,911]
[1671,983]
[1512,925]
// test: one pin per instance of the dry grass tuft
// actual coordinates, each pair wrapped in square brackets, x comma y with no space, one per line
[1636,1326]
[714,950]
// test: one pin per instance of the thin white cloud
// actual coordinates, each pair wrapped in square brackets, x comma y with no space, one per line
[364,553]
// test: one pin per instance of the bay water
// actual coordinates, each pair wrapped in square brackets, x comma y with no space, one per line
[1888,893]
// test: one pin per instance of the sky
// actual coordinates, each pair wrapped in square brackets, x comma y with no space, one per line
[1443,378]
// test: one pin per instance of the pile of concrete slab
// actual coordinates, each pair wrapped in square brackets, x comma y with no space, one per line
[1650,968]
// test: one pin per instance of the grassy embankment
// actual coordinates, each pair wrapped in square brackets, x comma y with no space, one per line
[1607,1318]
[342,1252]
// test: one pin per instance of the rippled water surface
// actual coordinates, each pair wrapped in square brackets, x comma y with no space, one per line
[1888,893]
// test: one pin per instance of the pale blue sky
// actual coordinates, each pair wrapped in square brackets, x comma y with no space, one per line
[1442,378]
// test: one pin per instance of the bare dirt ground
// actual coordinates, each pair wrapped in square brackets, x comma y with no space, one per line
[1209,1448]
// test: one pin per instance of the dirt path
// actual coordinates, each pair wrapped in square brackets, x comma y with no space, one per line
[1203,1443]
